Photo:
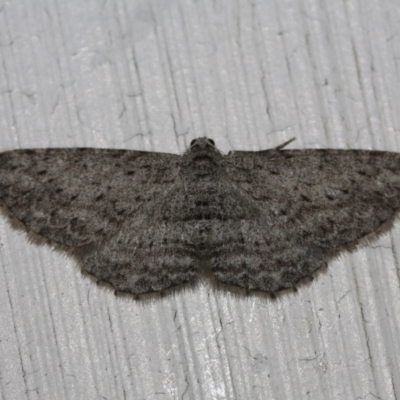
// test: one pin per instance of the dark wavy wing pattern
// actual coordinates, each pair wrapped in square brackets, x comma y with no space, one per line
[77,196]
[326,198]
[146,221]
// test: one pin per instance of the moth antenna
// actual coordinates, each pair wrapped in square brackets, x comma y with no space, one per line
[281,146]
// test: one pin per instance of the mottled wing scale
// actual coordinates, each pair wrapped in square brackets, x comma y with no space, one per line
[80,196]
[107,206]
[313,202]
[146,221]
[327,197]
[151,252]
[252,253]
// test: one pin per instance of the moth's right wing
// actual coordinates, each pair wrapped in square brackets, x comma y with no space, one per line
[79,196]
[328,198]
[310,202]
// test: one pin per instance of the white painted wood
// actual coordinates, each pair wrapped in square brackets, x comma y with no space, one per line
[153,75]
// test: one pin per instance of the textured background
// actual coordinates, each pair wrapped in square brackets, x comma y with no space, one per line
[153,75]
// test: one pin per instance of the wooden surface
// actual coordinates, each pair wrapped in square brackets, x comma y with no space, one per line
[154,75]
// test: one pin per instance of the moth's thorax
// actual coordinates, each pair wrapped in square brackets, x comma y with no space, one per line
[202,160]
[201,172]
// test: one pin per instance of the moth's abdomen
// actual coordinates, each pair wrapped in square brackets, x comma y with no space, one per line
[202,200]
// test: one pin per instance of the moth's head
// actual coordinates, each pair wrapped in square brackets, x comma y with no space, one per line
[202,143]
[202,150]
[202,146]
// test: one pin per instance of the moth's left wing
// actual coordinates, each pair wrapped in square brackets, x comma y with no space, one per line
[327,198]
[78,196]
[150,253]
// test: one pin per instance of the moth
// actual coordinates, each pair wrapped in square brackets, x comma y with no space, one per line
[147,221]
